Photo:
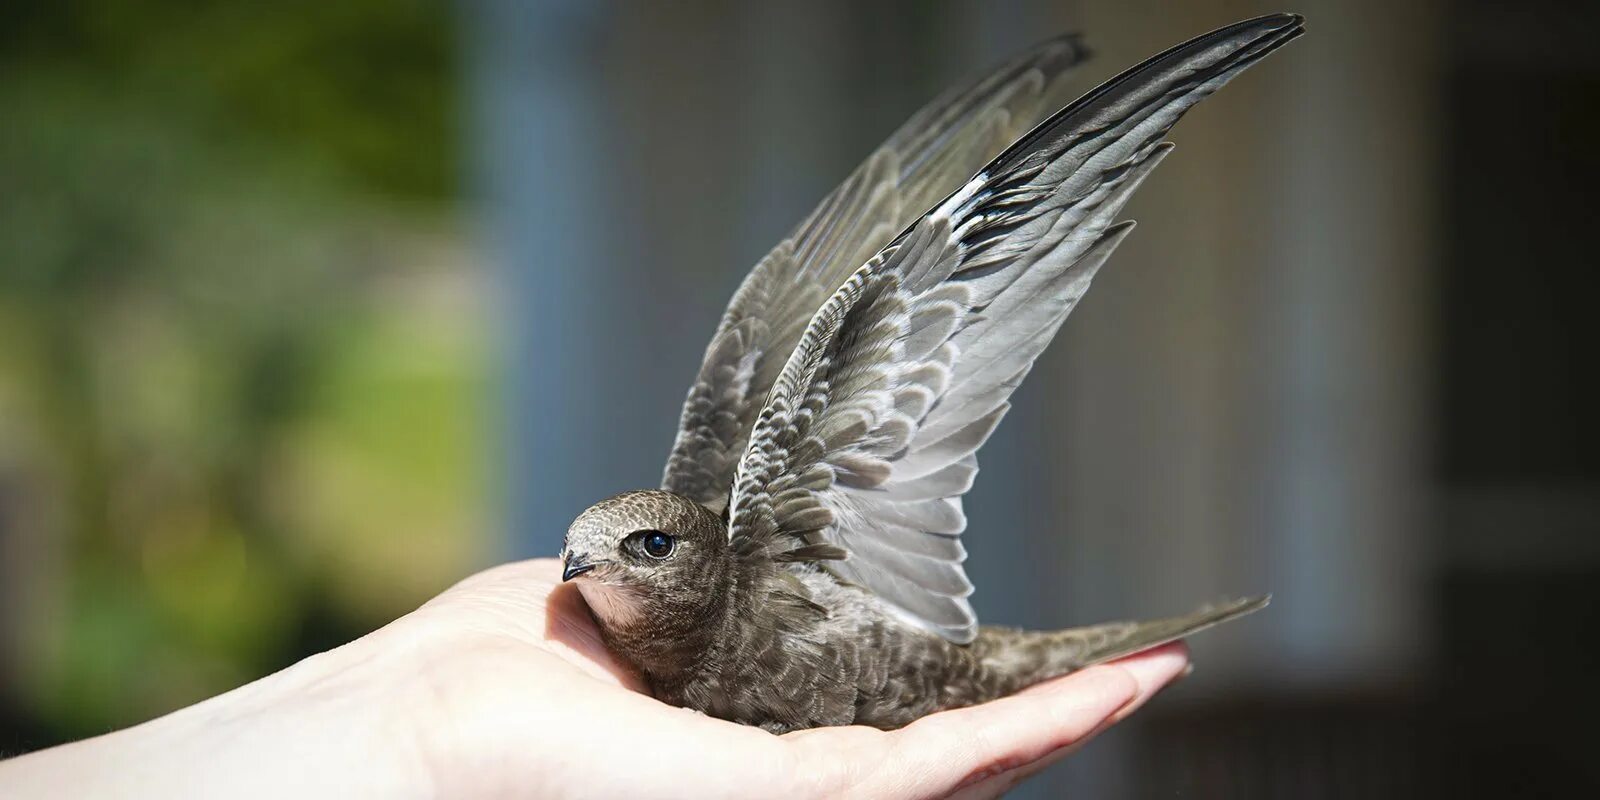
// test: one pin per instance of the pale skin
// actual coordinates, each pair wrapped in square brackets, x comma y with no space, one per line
[500,687]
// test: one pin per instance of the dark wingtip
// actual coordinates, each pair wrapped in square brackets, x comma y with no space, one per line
[1253,39]
[1077,51]
[1293,24]
[1279,20]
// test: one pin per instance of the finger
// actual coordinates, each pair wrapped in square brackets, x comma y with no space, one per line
[1154,670]
[945,751]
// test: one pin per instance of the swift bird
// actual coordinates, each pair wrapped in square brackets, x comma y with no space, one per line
[801,564]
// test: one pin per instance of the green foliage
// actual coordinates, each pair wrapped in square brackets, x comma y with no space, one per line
[238,358]
[365,88]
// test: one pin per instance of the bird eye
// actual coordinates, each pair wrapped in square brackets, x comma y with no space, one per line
[656,544]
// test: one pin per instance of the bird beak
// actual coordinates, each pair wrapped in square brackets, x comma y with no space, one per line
[575,565]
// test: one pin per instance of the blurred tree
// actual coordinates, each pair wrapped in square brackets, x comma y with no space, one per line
[238,361]
[362,88]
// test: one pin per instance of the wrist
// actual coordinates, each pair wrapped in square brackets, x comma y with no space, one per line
[335,724]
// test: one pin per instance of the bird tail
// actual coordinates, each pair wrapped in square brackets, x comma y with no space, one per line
[1020,658]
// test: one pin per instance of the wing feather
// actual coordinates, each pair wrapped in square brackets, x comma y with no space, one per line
[924,161]
[904,372]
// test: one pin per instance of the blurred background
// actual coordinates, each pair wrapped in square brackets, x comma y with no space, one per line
[308,309]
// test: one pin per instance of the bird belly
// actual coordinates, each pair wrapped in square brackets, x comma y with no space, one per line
[859,666]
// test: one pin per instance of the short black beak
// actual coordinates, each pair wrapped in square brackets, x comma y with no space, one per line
[575,566]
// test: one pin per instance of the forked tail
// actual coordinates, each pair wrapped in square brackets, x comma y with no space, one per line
[1016,658]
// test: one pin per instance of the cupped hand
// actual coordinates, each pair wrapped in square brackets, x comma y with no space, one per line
[526,700]
[500,687]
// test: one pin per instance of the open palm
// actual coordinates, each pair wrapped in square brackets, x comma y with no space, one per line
[500,687]
[525,699]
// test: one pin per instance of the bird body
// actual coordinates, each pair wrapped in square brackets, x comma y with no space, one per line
[801,564]
[788,646]
[784,647]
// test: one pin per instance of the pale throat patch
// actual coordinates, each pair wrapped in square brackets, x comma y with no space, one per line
[614,606]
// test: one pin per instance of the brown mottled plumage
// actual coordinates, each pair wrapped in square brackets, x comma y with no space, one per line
[802,564]
[790,648]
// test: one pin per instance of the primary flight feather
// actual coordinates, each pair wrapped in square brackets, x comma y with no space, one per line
[801,564]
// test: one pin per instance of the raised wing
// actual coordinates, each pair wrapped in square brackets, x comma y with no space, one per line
[868,440]
[929,157]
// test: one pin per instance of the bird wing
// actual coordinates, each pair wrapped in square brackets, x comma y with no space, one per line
[867,442]
[926,159]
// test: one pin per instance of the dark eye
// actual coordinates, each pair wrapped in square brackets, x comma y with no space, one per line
[656,544]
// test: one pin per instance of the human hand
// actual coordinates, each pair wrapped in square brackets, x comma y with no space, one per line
[501,687]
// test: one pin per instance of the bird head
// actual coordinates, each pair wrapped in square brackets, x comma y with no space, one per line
[645,551]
